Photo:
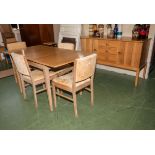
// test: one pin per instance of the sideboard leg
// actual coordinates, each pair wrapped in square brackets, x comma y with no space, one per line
[144,72]
[137,77]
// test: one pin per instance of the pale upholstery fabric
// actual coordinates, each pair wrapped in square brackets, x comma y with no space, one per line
[67,80]
[84,67]
[22,68]
[20,63]
[68,46]
[37,75]
[16,46]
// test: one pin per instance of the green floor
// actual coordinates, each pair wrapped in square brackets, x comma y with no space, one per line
[118,105]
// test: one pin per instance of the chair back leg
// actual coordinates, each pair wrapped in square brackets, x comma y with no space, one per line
[35,96]
[54,95]
[75,104]
[92,92]
[14,71]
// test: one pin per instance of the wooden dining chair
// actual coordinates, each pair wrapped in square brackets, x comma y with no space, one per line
[8,37]
[67,68]
[68,46]
[11,48]
[34,77]
[81,77]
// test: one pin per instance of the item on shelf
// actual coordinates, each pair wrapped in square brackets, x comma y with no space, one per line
[97,34]
[115,30]
[135,32]
[101,30]
[119,32]
[95,30]
[140,31]
[110,33]
[91,30]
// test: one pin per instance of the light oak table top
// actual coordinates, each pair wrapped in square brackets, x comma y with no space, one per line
[51,56]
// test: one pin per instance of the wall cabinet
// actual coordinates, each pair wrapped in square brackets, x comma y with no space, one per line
[36,34]
[124,53]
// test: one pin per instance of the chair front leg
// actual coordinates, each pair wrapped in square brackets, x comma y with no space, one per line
[75,104]
[92,92]
[23,86]
[19,82]
[54,95]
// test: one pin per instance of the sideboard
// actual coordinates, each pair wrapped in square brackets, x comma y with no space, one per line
[124,53]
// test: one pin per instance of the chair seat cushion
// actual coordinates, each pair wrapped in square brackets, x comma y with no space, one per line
[62,71]
[38,75]
[67,81]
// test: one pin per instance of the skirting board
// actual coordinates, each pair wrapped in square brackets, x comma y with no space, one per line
[6,73]
[118,70]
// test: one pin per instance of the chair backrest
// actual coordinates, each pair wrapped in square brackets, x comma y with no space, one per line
[84,67]
[21,63]
[68,46]
[16,46]
[8,37]
[10,40]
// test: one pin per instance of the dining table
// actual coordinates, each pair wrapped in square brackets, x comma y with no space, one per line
[46,58]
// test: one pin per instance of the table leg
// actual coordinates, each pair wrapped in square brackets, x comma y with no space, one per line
[137,77]
[47,82]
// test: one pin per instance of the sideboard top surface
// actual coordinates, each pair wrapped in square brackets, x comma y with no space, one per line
[115,39]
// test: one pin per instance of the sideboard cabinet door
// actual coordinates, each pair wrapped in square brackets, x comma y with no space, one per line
[100,47]
[112,50]
[130,54]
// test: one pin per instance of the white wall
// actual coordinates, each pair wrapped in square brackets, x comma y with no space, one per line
[151,35]
[56,29]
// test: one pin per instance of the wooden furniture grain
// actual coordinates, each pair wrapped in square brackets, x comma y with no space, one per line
[7,34]
[11,48]
[45,57]
[87,45]
[82,77]
[34,77]
[123,53]
[36,34]
[5,28]
[8,37]
[68,46]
